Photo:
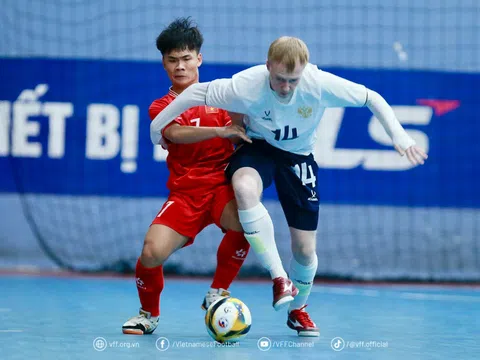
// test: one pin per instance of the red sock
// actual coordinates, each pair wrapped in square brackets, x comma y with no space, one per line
[230,256]
[149,285]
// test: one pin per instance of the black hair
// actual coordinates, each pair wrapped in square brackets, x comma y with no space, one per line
[181,34]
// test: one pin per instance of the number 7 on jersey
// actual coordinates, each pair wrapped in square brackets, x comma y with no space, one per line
[165,207]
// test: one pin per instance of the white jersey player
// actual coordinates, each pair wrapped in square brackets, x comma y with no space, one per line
[283,103]
[289,123]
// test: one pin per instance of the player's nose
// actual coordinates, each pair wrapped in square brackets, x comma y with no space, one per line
[285,87]
[180,65]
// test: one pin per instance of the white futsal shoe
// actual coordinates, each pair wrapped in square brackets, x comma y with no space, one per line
[212,296]
[142,324]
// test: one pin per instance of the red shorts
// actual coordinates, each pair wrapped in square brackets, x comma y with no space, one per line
[188,215]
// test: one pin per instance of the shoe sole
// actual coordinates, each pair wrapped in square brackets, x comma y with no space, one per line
[304,333]
[280,304]
[132,332]
[307,333]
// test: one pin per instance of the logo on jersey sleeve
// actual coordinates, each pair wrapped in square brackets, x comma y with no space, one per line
[211,110]
[305,111]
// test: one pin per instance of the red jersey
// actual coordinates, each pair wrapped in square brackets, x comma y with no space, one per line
[196,168]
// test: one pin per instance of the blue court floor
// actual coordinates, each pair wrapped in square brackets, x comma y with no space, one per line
[81,318]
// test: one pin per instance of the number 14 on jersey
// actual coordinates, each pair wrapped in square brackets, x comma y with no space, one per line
[305,173]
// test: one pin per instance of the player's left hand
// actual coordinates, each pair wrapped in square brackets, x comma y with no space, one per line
[416,155]
[233,131]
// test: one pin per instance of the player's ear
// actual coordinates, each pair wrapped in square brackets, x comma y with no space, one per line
[268,66]
[163,62]
[200,59]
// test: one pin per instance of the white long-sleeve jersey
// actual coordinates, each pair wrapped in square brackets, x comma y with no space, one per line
[290,126]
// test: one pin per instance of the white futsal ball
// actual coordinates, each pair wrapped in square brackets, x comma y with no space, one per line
[228,320]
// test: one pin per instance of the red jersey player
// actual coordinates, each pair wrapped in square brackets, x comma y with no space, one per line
[199,147]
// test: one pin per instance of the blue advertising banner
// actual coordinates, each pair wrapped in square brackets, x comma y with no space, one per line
[81,127]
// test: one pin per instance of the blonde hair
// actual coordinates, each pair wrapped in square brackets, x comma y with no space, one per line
[288,51]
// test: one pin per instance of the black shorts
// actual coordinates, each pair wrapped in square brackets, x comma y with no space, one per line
[295,178]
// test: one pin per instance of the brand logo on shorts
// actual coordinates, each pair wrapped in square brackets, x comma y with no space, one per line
[313,197]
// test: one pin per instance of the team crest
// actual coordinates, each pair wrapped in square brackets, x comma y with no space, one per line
[305,111]
[211,110]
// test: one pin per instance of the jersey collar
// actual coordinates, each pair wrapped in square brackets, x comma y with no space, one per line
[171,92]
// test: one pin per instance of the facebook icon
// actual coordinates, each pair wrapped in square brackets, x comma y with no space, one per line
[162,343]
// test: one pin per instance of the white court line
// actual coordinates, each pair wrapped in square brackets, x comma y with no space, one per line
[11,331]
[342,291]
[372,293]
[346,291]
[439,297]
[403,295]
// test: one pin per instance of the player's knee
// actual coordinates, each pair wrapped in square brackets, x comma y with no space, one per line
[305,256]
[247,186]
[152,255]
[304,253]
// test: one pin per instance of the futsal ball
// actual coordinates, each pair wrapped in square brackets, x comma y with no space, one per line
[228,320]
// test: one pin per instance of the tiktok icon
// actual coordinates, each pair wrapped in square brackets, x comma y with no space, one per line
[337,344]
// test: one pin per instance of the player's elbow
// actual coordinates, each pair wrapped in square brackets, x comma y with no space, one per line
[373,98]
[155,136]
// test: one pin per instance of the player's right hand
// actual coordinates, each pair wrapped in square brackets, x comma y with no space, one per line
[414,154]
[233,131]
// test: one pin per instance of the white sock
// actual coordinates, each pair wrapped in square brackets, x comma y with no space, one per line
[215,291]
[302,277]
[258,229]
